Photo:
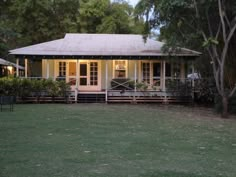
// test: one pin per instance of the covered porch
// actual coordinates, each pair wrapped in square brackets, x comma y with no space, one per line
[119,79]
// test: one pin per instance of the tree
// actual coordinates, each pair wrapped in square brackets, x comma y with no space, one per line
[39,21]
[209,24]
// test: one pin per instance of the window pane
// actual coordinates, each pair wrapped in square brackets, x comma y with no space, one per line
[120,69]
[168,70]
[62,69]
[83,69]
[83,81]
[157,82]
[146,72]
[119,74]
[156,69]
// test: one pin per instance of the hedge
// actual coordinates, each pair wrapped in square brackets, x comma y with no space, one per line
[26,87]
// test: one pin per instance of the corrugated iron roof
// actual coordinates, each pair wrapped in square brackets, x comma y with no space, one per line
[100,45]
[8,63]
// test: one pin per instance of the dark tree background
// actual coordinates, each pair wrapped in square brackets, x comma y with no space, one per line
[29,22]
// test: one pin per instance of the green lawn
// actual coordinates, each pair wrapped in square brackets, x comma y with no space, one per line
[99,140]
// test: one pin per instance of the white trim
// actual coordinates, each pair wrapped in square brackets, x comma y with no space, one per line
[135,75]
[26,67]
[164,76]
[193,71]
[182,71]
[55,63]
[77,80]
[89,87]
[126,68]
[140,71]
[47,69]
[17,67]
[106,80]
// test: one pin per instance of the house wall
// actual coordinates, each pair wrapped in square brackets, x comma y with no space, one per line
[51,68]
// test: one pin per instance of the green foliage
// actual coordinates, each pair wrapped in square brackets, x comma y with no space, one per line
[206,91]
[142,86]
[210,41]
[178,88]
[25,87]
[29,22]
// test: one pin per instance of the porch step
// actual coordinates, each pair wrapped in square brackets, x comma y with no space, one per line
[91,98]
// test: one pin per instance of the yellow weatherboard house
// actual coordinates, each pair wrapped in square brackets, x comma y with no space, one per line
[111,67]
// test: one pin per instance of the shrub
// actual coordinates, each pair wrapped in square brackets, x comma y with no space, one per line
[178,88]
[219,106]
[206,91]
[25,87]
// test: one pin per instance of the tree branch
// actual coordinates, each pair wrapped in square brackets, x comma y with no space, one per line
[227,20]
[233,91]
[216,55]
[231,33]
[222,19]
[196,9]
[217,82]
[215,69]
[218,31]
[209,23]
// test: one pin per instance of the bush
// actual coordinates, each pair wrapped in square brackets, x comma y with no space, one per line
[25,87]
[231,106]
[206,91]
[178,88]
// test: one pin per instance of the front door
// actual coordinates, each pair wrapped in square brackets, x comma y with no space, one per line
[89,76]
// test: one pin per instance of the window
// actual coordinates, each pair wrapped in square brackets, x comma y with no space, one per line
[120,68]
[157,74]
[62,69]
[168,70]
[83,74]
[146,72]
[93,73]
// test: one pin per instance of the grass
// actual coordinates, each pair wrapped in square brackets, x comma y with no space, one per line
[98,140]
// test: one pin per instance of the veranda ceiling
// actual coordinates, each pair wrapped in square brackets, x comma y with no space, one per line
[7,63]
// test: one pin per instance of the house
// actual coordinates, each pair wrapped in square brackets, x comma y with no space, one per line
[110,66]
[8,68]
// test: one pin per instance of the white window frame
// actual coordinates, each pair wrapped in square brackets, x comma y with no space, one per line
[114,69]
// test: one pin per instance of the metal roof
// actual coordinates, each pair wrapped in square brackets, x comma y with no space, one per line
[100,45]
[8,63]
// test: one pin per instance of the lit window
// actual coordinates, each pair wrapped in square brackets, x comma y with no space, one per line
[120,68]
[62,69]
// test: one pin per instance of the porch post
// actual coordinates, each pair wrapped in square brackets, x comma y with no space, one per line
[77,79]
[106,81]
[182,71]
[26,67]
[17,67]
[135,76]
[135,79]
[193,83]
[47,73]
[164,76]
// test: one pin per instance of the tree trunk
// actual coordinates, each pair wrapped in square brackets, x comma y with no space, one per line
[225,102]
